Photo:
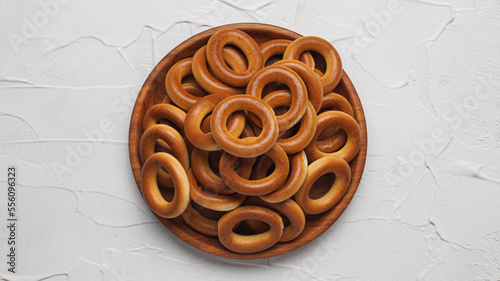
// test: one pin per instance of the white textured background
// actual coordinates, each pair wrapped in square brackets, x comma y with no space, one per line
[427,208]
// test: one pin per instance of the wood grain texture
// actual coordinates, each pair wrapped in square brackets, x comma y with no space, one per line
[153,91]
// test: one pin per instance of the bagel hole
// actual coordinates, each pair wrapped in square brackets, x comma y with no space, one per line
[162,146]
[319,61]
[240,165]
[188,79]
[269,88]
[194,89]
[167,193]
[208,213]
[332,145]
[232,116]
[290,132]
[205,124]
[265,168]
[270,170]
[273,59]
[280,110]
[239,51]
[255,121]
[243,229]
[282,86]
[328,132]
[214,161]
[286,221]
[321,186]
[257,226]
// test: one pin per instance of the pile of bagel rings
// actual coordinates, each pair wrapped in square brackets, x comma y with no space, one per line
[243,136]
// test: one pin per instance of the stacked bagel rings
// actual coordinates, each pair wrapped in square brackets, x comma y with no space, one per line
[245,132]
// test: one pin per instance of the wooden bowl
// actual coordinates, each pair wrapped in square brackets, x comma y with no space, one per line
[153,92]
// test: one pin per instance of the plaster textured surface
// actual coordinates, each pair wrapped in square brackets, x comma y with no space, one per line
[427,74]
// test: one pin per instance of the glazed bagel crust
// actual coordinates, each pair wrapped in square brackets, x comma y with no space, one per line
[208,177]
[198,222]
[278,47]
[259,186]
[298,172]
[250,146]
[250,243]
[293,142]
[194,119]
[151,191]
[175,91]
[311,81]
[285,75]
[348,124]
[333,138]
[318,168]
[175,142]
[217,202]
[216,60]
[330,79]
[210,83]
[289,209]
[164,111]
[205,175]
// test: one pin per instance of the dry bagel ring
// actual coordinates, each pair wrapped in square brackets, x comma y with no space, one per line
[194,119]
[333,73]
[289,209]
[250,146]
[234,59]
[318,168]
[173,139]
[235,126]
[332,143]
[285,75]
[150,189]
[250,243]
[166,111]
[218,202]
[171,113]
[311,80]
[260,186]
[175,91]
[278,111]
[350,126]
[332,139]
[194,89]
[278,47]
[308,122]
[199,222]
[207,81]
[191,88]
[216,60]
[247,132]
[261,167]
[210,180]
[298,172]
